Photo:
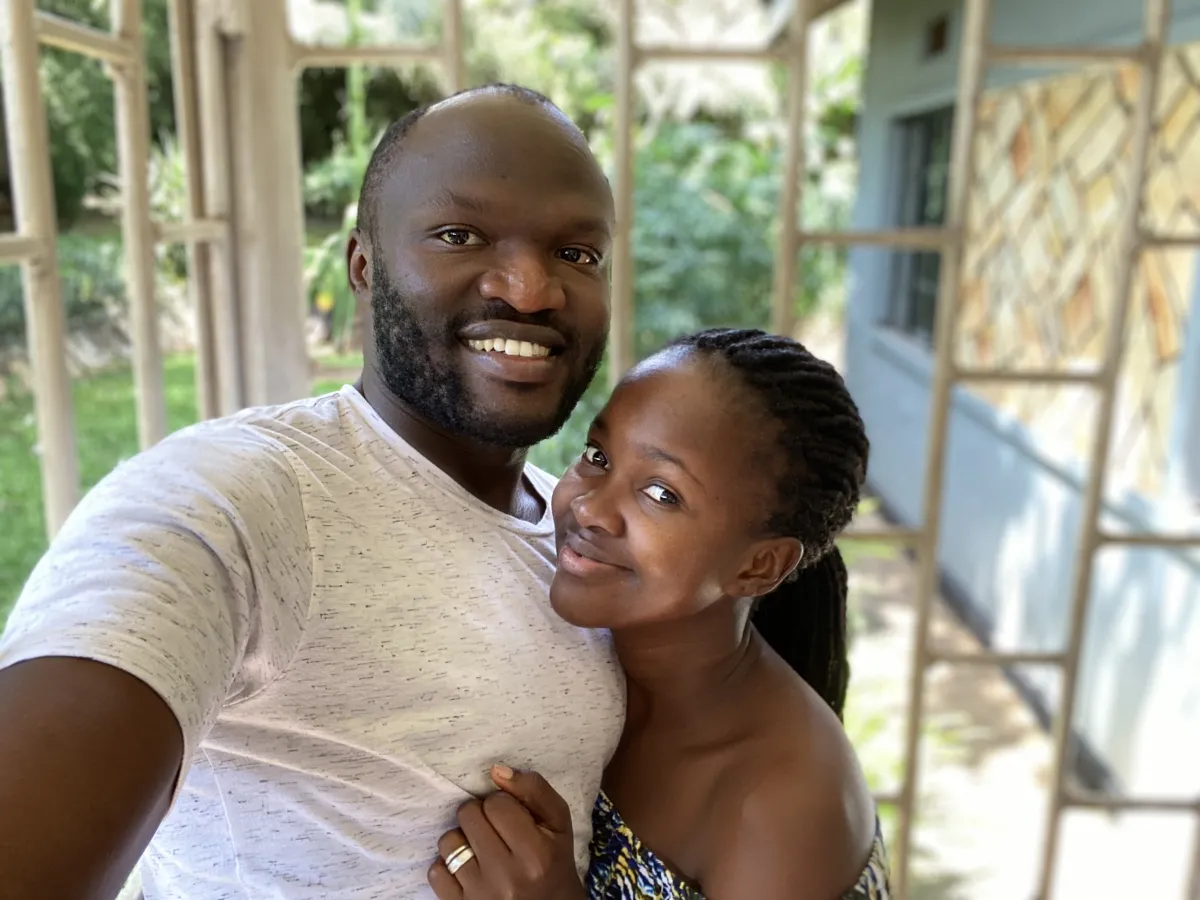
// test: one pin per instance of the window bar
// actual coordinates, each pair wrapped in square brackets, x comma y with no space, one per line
[1050,56]
[314,56]
[55,31]
[216,153]
[1192,887]
[196,231]
[1003,658]
[621,324]
[452,50]
[133,151]
[1170,241]
[791,191]
[1157,14]
[1092,800]
[915,238]
[1148,539]
[1021,376]
[663,53]
[45,321]
[15,248]
[977,14]
[181,19]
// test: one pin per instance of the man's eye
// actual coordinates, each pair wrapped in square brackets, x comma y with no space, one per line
[459,237]
[594,456]
[578,256]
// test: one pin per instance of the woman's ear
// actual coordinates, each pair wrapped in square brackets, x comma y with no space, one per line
[767,563]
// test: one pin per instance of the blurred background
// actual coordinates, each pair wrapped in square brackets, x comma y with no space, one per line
[996,246]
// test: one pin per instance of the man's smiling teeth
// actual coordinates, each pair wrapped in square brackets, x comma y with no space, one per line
[509,348]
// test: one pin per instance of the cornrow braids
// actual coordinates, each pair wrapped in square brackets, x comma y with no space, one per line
[822,449]
[384,156]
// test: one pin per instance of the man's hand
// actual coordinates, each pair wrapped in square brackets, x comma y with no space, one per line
[522,841]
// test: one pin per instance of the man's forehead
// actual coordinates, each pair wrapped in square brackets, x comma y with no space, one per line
[479,111]
[495,97]
[496,203]
[489,156]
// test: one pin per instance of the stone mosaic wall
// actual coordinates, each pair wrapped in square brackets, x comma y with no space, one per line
[1038,288]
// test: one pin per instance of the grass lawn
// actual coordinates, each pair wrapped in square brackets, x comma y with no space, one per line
[106,433]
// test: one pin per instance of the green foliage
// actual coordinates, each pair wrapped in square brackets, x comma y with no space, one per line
[93,287]
[559,47]
[325,275]
[555,454]
[356,85]
[168,203]
[324,119]
[79,116]
[106,433]
[703,233]
[332,185]
[79,102]
[91,265]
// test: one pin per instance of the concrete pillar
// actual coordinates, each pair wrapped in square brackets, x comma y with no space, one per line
[267,205]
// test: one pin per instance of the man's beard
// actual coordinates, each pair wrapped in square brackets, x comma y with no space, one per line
[432,386]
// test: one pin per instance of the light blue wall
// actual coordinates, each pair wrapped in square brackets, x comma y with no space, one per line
[1011,514]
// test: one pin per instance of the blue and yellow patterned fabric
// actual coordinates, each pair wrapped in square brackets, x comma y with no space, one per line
[623,869]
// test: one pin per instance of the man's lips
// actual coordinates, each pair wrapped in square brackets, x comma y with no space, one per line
[501,336]
[515,353]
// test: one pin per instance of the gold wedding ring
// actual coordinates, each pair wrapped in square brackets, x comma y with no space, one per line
[459,858]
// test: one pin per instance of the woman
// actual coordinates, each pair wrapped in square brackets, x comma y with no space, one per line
[698,526]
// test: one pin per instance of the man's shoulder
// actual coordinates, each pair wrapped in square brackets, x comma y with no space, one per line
[247,457]
[258,435]
[541,479]
[317,418]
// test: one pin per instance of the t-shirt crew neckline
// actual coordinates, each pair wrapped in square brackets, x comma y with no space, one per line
[544,526]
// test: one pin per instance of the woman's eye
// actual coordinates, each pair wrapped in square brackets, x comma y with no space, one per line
[660,494]
[595,456]
[459,237]
[578,256]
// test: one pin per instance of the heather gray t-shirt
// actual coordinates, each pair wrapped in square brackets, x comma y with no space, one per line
[348,638]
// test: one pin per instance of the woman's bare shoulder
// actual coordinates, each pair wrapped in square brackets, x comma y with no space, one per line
[794,818]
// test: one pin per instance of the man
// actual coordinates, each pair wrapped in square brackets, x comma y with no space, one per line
[310,631]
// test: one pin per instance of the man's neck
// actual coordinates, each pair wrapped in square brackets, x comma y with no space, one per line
[691,670]
[492,474]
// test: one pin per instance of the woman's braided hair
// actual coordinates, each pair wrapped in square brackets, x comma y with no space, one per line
[823,449]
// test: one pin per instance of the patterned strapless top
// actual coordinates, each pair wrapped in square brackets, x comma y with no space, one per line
[622,868]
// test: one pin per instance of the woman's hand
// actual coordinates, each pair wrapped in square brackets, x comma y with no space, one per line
[522,845]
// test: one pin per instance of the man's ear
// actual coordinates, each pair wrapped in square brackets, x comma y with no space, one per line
[358,265]
[768,562]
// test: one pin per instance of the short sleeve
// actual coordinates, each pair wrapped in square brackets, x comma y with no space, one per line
[187,567]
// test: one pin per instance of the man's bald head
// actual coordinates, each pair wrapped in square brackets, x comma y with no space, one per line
[387,152]
[485,217]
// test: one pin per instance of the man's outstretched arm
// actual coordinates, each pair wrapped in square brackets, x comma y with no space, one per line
[180,584]
[88,759]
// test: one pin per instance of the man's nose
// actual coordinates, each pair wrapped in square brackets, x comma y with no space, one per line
[523,280]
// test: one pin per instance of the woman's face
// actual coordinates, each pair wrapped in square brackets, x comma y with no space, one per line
[661,516]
